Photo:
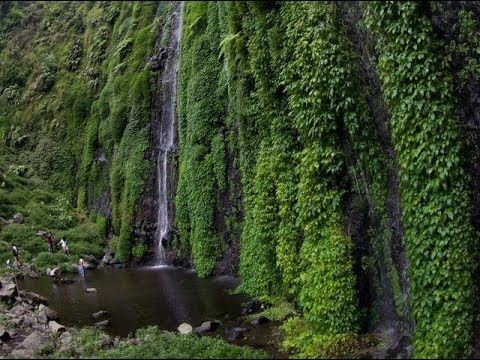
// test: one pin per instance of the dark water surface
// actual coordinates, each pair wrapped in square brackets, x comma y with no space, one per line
[139,297]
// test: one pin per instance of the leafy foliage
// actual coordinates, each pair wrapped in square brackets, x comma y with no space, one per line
[156,344]
[435,207]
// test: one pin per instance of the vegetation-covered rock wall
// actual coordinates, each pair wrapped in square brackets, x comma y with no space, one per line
[328,152]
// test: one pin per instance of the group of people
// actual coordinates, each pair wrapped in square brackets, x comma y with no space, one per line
[51,243]
[54,273]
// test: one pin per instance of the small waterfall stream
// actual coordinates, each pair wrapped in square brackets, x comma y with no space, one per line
[166,131]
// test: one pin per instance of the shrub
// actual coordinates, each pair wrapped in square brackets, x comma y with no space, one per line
[305,343]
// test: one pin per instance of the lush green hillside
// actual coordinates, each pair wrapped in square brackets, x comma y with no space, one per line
[328,153]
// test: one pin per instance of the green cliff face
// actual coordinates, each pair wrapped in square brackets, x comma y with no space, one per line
[328,152]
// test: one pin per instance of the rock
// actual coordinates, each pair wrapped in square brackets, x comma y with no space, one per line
[50,314]
[66,281]
[107,258]
[21,354]
[132,341]
[48,271]
[66,344]
[42,317]
[18,218]
[32,274]
[102,324]
[91,259]
[185,328]
[399,347]
[260,321]
[18,310]
[155,62]
[33,342]
[99,314]
[65,337]
[8,290]
[56,327]
[207,326]
[91,290]
[105,341]
[252,306]
[29,321]
[4,334]
[236,333]
[19,276]
[35,298]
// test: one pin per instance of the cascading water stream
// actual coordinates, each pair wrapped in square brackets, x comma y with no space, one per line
[166,138]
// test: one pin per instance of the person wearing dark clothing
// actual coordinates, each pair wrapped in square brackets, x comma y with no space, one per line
[50,241]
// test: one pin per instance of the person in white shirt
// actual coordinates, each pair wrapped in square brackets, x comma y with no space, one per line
[64,246]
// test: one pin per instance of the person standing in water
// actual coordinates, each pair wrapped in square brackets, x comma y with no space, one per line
[15,256]
[81,268]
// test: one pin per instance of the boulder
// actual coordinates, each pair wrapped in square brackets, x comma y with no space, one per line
[35,298]
[260,321]
[29,321]
[102,324]
[21,354]
[32,274]
[105,341]
[107,258]
[99,314]
[50,314]
[65,338]
[33,342]
[236,333]
[56,327]
[18,218]
[42,317]
[207,326]
[18,310]
[8,290]
[91,290]
[252,306]
[185,328]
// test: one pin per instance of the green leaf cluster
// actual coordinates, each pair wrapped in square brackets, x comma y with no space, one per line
[435,205]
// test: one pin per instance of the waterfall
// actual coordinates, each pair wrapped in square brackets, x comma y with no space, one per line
[166,131]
